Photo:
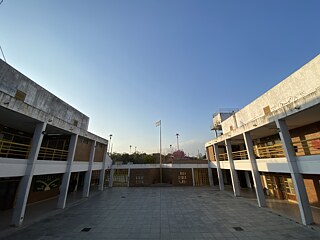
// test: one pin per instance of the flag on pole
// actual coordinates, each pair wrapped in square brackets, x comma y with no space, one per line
[158,123]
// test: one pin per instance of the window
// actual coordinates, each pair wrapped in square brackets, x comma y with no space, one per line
[182,178]
[289,186]
[139,179]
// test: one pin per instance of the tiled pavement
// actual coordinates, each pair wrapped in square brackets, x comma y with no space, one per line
[165,213]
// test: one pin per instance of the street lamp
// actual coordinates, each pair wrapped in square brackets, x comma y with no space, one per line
[130,148]
[171,148]
[158,124]
[110,136]
[177,134]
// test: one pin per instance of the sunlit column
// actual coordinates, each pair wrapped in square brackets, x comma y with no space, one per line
[297,179]
[254,170]
[209,169]
[233,172]
[219,172]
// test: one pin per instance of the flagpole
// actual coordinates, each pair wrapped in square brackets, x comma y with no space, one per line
[160,156]
[158,124]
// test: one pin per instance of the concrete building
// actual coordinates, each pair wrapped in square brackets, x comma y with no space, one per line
[46,152]
[45,148]
[273,144]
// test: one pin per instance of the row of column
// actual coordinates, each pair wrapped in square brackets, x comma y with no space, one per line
[25,183]
[297,178]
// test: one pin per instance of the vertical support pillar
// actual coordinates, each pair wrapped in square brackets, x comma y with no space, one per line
[210,175]
[87,178]
[66,176]
[220,176]
[111,177]
[297,179]
[103,170]
[233,172]
[209,170]
[254,170]
[24,187]
[129,172]
[248,182]
[193,182]
[76,187]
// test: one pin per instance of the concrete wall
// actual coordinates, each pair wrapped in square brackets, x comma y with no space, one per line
[12,80]
[98,155]
[177,177]
[150,176]
[83,149]
[301,83]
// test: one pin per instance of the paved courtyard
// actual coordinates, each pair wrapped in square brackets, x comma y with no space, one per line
[165,213]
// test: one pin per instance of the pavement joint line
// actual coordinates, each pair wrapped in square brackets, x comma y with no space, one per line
[182,201]
[13,229]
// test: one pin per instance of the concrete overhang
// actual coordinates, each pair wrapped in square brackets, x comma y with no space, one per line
[21,116]
[302,112]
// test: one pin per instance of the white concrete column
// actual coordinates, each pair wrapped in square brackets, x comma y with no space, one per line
[76,188]
[25,183]
[254,170]
[248,182]
[233,172]
[103,170]
[129,172]
[193,182]
[297,179]
[220,176]
[87,178]
[111,177]
[66,176]
[210,176]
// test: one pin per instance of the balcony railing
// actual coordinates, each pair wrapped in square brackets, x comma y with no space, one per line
[9,149]
[240,155]
[52,154]
[274,151]
[302,148]
[307,147]
[223,157]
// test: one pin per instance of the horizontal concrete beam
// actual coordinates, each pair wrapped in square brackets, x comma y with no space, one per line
[10,167]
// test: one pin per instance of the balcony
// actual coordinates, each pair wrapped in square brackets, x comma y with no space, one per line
[301,148]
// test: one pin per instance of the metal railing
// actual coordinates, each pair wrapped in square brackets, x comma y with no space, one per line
[307,147]
[240,155]
[52,154]
[9,149]
[302,148]
[274,151]
[223,157]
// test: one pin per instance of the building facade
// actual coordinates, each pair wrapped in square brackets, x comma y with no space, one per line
[273,143]
[46,150]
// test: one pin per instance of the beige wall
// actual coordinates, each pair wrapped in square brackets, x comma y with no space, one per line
[83,149]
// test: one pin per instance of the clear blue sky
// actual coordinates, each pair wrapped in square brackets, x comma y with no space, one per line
[127,64]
